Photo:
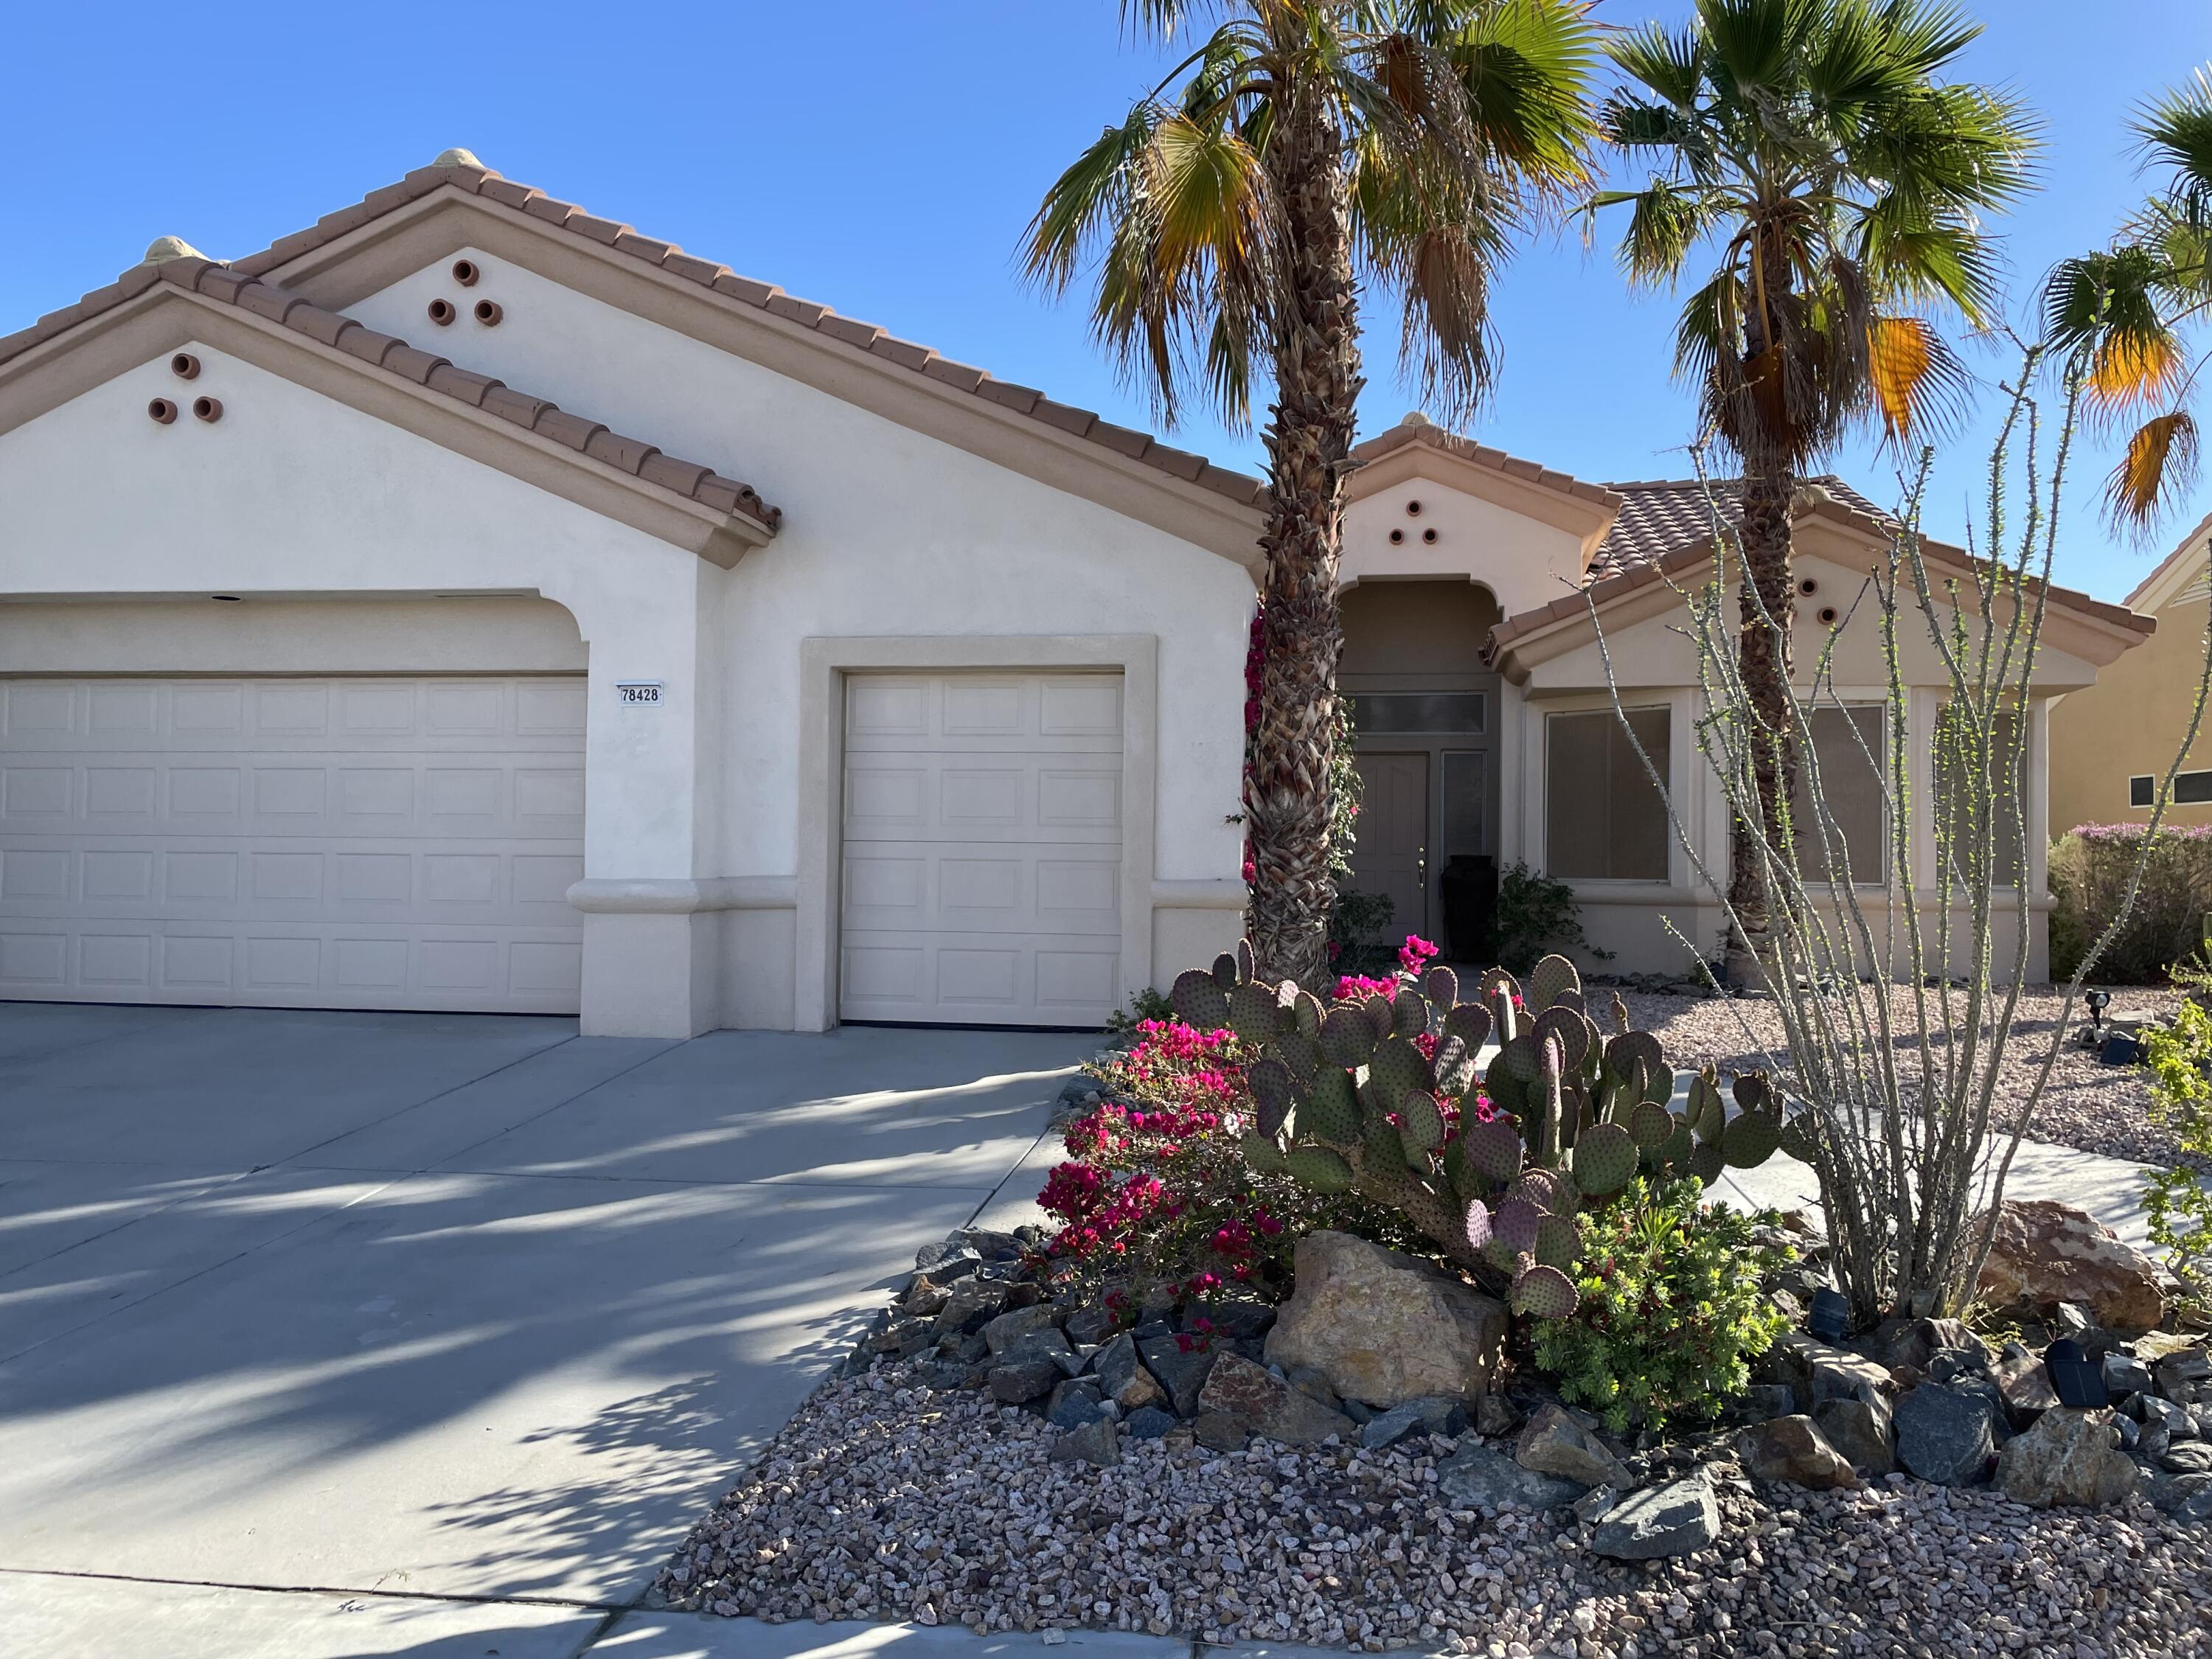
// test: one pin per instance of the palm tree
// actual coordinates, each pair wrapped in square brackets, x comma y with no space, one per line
[2121,316]
[1306,148]
[1813,146]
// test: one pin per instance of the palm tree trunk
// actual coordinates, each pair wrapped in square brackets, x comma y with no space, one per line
[1287,787]
[1763,657]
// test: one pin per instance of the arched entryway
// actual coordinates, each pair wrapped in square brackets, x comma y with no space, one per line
[1425,711]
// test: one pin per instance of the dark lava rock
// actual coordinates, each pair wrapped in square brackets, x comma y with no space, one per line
[1945,1434]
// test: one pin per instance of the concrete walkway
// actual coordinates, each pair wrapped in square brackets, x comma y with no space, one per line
[331,1335]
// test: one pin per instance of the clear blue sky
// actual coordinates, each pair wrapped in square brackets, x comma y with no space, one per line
[882,158]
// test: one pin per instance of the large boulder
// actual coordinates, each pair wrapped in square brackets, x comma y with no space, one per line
[1268,1406]
[1385,1328]
[1479,1477]
[1793,1449]
[2072,1456]
[2044,1253]
[1863,1432]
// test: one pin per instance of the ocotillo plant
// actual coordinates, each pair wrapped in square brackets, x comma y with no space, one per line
[1381,1093]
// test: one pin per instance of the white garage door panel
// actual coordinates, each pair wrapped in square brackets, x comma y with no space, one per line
[982,849]
[342,843]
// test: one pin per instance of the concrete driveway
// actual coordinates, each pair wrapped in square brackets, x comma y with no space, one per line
[443,1327]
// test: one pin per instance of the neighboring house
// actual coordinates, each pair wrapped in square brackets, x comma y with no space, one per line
[1510,751]
[364,643]
[2111,743]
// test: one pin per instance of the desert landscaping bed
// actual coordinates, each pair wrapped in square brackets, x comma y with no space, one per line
[887,1499]
[2088,1105]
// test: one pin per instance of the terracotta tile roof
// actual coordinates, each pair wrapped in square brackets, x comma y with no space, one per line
[395,356]
[1600,590]
[1658,516]
[1432,437]
[478,180]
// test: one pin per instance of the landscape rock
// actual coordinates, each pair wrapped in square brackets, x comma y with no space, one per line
[1268,1405]
[1221,1431]
[924,1296]
[2044,1253]
[1089,1326]
[1554,1443]
[1919,1342]
[2178,1422]
[2180,1375]
[2190,1457]
[1444,1417]
[1793,1449]
[2025,1384]
[1122,1378]
[1496,1415]
[1673,1519]
[2124,1375]
[1073,1402]
[945,1262]
[1863,1432]
[1385,1328]
[972,1301]
[1008,1328]
[1820,1371]
[1945,1434]
[1230,1317]
[1026,1380]
[1762,1402]
[2071,1456]
[1306,1380]
[1180,1370]
[1094,1442]
[1479,1477]
[1150,1423]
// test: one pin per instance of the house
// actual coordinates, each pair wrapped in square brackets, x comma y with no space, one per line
[2110,743]
[468,602]
[1486,730]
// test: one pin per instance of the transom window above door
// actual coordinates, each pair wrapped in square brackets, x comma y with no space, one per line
[1457,713]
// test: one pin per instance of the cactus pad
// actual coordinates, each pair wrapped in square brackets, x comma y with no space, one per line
[1440,986]
[1708,1114]
[1381,1018]
[1545,1293]
[1199,1001]
[1346,1037]
[1558,1242]
[1470,1022]
[1751,1139]
[1330,1111]
[1554,975]
[1305,1013]
[1523,1059]
[1397,1066]
[1479,1228]
[1254,1013]
[1298,1051]
[1246,965]
[1225,972]
[1499,1256]
[1651,1125]
[1454,1066]
[1262,1155]
[1679,1147]
[1494,1149]
[1419,1116]
[1754,1092]
[1409,1013]
[1317,1167]
[1570,1029]
[1516,1222]
[1801,1138]
[1706,1162]
[1625,1050]
[1605,1159]
[1549,1190]
[1274,1091]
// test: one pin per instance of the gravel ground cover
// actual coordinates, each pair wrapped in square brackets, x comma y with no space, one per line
[2087,1105]
[885,1500]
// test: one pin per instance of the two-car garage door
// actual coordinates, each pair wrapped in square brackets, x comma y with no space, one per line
[360,842]
[983,848]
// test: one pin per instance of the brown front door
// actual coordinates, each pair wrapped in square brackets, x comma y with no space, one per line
[1391,855]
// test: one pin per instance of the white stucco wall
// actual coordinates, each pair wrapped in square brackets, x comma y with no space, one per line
[1522,560]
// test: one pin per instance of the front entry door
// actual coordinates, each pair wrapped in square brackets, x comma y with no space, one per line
[1391,855]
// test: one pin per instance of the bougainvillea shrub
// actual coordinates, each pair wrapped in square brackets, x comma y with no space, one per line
[1156,1191]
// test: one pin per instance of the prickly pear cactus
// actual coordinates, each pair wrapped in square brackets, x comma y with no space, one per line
[1386,1096]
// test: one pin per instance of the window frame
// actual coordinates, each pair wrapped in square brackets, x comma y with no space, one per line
[1665,706]
[1850,707]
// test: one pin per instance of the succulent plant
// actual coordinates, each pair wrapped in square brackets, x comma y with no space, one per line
[1345,1099]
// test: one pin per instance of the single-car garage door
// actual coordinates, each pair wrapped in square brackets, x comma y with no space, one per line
[293,842]
[983,848]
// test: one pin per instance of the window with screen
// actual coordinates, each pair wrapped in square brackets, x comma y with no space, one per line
[1603,821]
[1850,751]
[2190,789]
[1965,805]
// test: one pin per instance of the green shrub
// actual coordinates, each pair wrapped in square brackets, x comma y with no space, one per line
[1537,915]
[2177,1203]
[1671,1312]
[1146,1004]
[2089,870]
[1357,925]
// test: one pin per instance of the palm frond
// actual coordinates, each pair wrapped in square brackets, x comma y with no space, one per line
[2161,463]
[1919,382]
[1670,66]
[2176,133]
[1665,223]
